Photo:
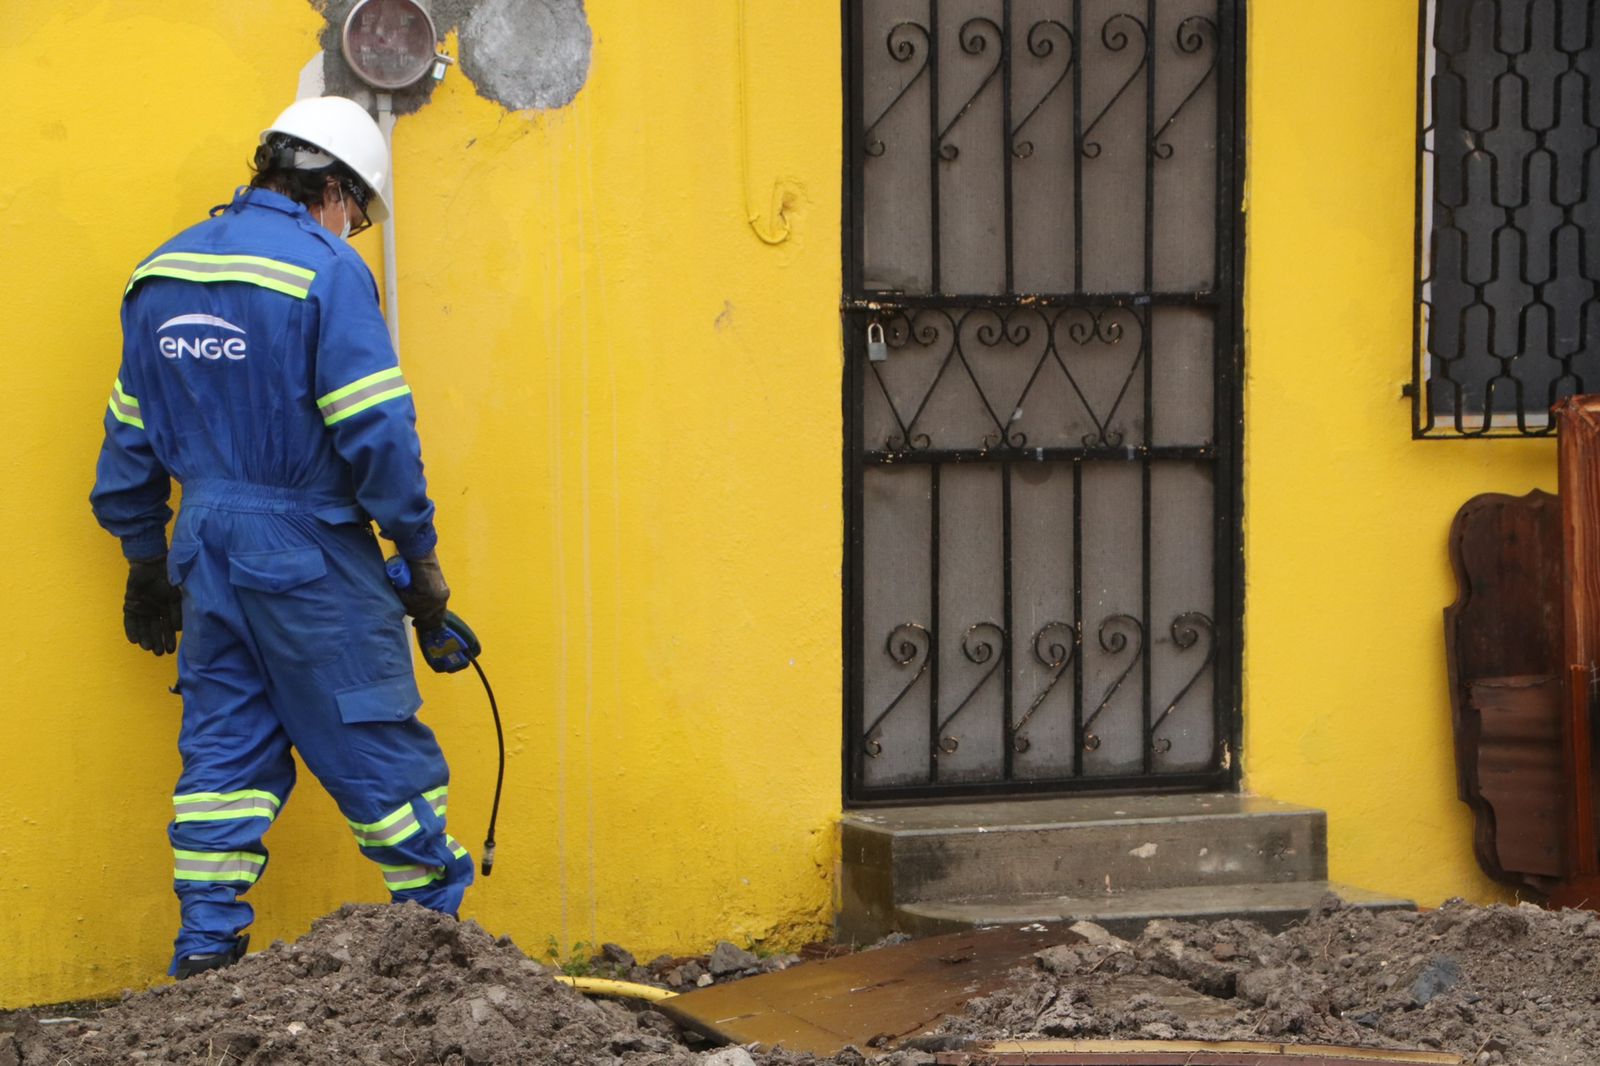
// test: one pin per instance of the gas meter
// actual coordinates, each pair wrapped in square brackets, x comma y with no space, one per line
[390,44]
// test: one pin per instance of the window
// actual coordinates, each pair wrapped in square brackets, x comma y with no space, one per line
[1508,234]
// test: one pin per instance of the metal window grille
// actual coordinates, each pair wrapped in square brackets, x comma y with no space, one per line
[1508,226]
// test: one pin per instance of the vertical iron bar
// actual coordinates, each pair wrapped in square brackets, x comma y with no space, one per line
[1149,367]
[1077,145]
[1077,618]
[854,602]
[936,631]
[1418,378]
[936,286]
[1228,428]
[1009,709]
[1005,145]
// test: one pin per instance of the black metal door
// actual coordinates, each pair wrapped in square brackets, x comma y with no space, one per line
[1041,323]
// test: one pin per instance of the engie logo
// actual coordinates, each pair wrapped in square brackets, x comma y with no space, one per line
[201,347]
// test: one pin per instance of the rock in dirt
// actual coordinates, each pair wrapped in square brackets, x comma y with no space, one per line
[732,1056]
[728,959]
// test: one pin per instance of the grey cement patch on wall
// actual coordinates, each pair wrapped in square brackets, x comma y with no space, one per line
[521,54]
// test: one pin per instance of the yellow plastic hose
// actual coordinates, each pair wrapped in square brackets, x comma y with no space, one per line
[601,986]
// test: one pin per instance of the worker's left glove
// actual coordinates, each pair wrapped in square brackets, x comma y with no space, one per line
[427,595]
[152,609]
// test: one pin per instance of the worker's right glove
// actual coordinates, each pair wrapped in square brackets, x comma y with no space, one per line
[152,609]
[426,598]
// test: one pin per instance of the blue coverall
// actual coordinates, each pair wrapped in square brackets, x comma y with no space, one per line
[258,372]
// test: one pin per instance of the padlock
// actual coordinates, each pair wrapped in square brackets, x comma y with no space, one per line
[877,346]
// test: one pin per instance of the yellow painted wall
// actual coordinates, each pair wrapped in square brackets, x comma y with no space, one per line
[630,413]
[1346,705]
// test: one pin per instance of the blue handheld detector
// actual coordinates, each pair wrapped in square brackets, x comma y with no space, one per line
[450,647]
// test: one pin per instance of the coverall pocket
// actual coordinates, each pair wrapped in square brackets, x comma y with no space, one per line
[180,559]
[394,699]
[293,609]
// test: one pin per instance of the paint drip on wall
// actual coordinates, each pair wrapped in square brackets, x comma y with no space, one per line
[521,54]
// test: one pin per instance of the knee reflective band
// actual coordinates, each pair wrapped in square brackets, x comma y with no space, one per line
[411,876]
[217,865]
[253,269]
[221,806]
[361,394]
[125,408]
[455,846]
[389,830]
[437,799]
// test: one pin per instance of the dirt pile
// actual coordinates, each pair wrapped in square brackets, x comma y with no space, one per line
[368,984]
[1515,985]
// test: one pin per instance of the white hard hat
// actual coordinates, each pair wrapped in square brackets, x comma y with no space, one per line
[343,129]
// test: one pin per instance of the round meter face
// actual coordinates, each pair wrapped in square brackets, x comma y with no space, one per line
[389,43]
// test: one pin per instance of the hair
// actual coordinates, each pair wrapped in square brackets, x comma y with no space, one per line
[273,168]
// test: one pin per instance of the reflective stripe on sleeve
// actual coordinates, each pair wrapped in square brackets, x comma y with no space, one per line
[410,876]
[361,394]
[389,830]
[437,799]
[217,865]
[253,269]
[125,408]
[455,846]
[221,806]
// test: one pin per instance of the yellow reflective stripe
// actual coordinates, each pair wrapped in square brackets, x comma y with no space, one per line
[437,799]
[434,793]
[391,829]
[357,385]
[382,823]
[399,878]
[361,394]
[121,394]
[121,416]
[244,793]
[222,806]
[455,847]
[207,267]
[217,865]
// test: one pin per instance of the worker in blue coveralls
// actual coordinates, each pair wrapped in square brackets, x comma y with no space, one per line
[257,371]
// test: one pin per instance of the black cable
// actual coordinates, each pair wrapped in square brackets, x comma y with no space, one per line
[500,776]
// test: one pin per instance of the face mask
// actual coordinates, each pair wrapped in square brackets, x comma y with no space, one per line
[344,234]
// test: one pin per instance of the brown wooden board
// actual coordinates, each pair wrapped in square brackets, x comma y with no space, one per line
[1180,1053]
[1519,769]
[1505,625]
[868,999]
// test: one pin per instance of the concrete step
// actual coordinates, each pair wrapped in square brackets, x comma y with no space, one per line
[1082,846]
[1125,913]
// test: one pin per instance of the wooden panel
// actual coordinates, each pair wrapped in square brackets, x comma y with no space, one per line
[1519,771]
[1505,625]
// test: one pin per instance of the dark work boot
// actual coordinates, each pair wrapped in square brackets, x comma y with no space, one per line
[193,964]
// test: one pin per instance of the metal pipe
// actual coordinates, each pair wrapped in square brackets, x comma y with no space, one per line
[391,280]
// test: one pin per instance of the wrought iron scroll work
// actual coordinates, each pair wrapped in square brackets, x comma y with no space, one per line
[974,41]
[1116,40]
[905,652]
[1186,632]
[1074,330]
[1193,33]
[902,50]
[1055,657]
[977,652]
[1114,642]
[1040,46]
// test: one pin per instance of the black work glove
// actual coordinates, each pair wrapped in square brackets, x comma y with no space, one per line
[152,609]
[426,598]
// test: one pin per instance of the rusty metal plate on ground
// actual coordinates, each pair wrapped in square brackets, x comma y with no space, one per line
[1180,1053]
[868,999]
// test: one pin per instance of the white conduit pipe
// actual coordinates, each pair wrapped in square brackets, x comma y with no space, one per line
[391,272]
